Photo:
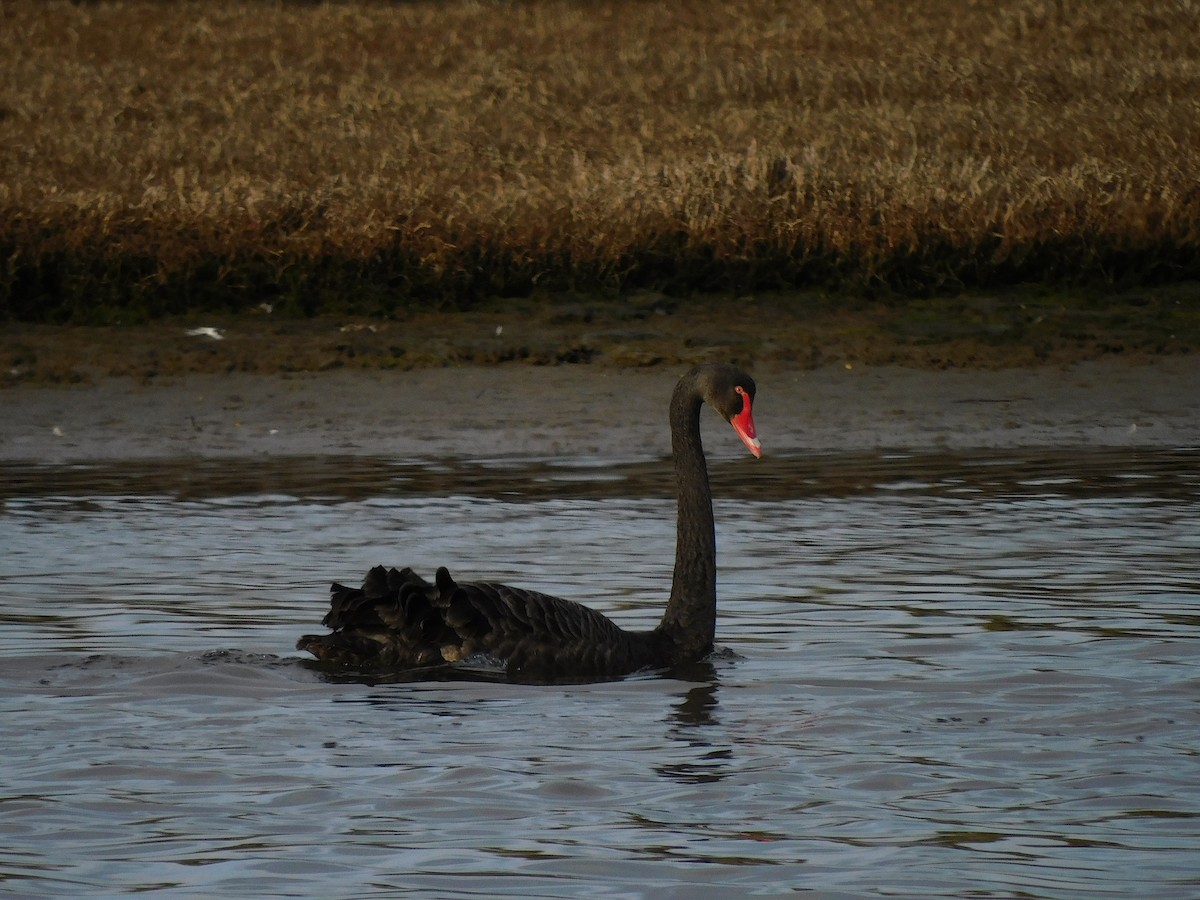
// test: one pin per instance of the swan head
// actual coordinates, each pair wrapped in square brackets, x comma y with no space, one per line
[730,392]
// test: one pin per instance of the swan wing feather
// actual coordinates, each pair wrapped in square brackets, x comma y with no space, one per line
[397,619]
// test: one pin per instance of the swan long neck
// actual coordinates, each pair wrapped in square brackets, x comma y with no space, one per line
[690,619]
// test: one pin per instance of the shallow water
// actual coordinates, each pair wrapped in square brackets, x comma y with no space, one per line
[947,676]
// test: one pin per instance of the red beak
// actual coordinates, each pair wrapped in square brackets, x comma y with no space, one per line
[743,424]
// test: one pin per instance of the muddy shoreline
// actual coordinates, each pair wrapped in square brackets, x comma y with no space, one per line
[490,412]
[791,330]
[591,377]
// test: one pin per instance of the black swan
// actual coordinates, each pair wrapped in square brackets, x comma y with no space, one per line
[398,621]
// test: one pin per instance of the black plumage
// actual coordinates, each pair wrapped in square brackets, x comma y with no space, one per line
[398,621]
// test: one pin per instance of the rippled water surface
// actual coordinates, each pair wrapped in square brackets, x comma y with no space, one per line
[946,676]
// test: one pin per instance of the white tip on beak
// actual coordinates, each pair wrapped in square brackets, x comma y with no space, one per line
[752,443]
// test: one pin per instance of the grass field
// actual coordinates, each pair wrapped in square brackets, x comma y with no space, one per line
[372,157]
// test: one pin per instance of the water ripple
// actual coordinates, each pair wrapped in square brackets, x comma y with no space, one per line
[945,676]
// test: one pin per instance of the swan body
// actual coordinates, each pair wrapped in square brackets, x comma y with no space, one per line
[398,621]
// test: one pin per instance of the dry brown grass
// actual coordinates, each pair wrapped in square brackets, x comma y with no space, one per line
[160,157]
